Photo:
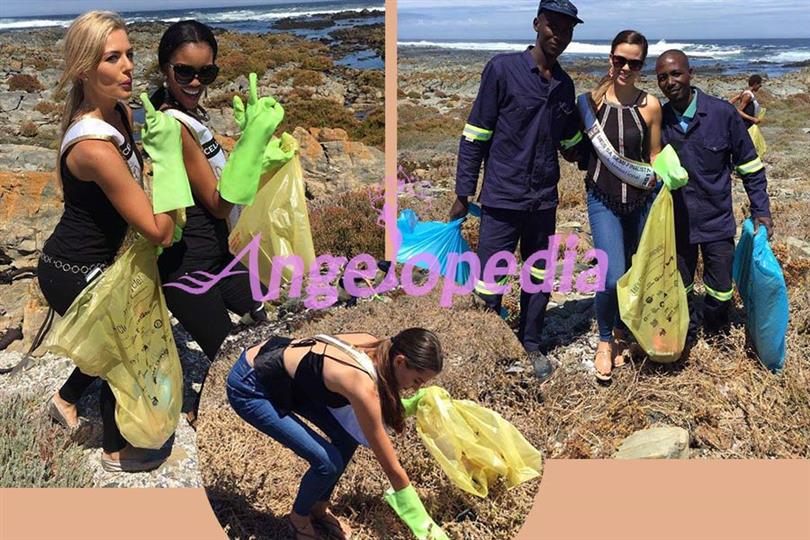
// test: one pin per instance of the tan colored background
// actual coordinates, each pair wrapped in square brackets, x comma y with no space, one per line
[578,500]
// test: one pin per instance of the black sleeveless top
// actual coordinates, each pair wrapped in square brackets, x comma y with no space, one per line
[307,386]
[629,135]
[91,229]
[750,110]
[204,244]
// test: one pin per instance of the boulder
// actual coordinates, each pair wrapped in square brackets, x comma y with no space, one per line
[664,442]
[333,164]
[34,313]
[21,157]
[30,207]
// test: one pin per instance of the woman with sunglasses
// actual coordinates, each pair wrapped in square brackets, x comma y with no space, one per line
[349,387]
[186,54]
[617,210]
[99,168]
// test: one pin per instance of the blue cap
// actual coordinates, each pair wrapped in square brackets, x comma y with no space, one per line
[560,6]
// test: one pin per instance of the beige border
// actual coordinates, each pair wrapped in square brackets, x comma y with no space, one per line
[578,500]
[621,500]
[390,182]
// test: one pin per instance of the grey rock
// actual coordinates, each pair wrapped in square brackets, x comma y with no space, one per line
[663,442]
[15,157]
[11,101]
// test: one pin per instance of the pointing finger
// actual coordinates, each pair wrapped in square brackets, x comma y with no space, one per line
[147,105]
[253,95]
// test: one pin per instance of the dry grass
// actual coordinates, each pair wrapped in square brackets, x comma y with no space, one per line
[731,405]
[251,480]
[34,452]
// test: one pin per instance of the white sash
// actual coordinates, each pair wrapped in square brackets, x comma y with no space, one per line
[345,415]
[635,173]
[212,150]
[93,128]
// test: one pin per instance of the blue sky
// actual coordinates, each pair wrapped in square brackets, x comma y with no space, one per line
[695,19]
[26,8]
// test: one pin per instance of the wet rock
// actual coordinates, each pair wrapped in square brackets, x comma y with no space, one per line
[655,443]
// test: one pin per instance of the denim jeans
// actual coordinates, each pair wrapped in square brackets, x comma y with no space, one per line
[618,236]
[327,459]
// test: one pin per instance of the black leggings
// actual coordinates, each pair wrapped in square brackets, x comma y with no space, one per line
[60,288]
[205,316]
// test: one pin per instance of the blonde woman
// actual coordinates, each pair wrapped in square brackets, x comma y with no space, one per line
[100,173]
[617,210]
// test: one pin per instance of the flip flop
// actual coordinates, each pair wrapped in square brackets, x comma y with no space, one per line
[600,376]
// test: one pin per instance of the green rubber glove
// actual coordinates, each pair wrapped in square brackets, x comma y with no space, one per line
[240,177]
[162,141]
[278,152]
[668,168]
[412,402]
[411,511]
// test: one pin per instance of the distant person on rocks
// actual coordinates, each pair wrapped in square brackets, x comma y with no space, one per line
[99,169]
[710,139]
[746,101]
[523,115]
[349,386]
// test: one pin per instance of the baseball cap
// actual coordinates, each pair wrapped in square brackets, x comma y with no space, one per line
[560,6]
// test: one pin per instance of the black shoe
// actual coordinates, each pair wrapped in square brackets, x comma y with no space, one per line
[543,367]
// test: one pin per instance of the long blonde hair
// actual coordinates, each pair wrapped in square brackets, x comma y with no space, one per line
[83,50]
[630,37]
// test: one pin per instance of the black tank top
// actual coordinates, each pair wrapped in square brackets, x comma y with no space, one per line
[629,134]
[750,110]
[91,229]
[306,387]
[204,244]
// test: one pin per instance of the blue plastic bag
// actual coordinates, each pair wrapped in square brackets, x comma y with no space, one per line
[435,238]
[762,288]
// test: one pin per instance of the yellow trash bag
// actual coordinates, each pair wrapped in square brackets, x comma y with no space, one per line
[118,329]
[279,214]
[473,445]
[652,298]
[757,137]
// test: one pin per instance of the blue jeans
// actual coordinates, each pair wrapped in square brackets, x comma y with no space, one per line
[618,236]
[327,460]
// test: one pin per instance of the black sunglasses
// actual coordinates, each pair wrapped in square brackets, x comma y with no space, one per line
[184,74]
[619,62]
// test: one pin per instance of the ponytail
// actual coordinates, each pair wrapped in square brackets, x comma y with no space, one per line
[599,93]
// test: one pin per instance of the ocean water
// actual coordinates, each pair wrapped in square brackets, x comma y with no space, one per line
[768,56]
[259,19]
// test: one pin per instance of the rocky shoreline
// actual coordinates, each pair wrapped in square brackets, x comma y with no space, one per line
[332,110]
[436,90]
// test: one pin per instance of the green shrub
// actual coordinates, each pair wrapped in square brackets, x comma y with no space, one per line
[300,77]
[347,224]
[21,81]
[242,53]
[33,452]
[372,77]
[309,112]
[29,129]
[371,131]
[47,108]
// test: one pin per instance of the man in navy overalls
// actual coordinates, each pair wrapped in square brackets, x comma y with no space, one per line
[711,140]
[523,114]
